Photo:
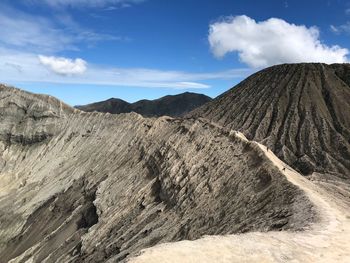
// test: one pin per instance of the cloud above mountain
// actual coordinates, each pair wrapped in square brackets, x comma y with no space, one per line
[64,66]
[23,67]
[32,49]
[271,42]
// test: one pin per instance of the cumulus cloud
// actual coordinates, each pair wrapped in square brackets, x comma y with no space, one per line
[64,66]
[271,42]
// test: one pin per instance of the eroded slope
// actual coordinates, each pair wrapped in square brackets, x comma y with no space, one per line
[325,241]
[301,111]
[103,187]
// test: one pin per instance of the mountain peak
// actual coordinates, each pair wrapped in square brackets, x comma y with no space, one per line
[298,110]
[170,105]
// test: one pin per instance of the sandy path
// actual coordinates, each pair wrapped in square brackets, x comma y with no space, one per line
[326,241]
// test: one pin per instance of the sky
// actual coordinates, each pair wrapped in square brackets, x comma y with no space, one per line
[84,51]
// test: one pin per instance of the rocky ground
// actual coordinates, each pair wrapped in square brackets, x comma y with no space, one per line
[93,187]
[325,241]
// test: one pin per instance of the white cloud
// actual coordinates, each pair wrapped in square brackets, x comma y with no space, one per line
[64,66]
[18,67]
[35,33]
[345,28]
[28,32]
[347,11]
[271,42]
[334,29]
[23,37]
[88,3]
[186,84]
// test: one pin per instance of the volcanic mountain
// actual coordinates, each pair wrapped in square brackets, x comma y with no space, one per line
[300,111]
[95,187]
[171,105]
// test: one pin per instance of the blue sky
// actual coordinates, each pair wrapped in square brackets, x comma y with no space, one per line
[83,51]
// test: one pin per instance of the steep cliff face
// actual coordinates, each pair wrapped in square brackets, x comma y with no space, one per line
[99,187]
[301,111]
[28,118]
[171,105]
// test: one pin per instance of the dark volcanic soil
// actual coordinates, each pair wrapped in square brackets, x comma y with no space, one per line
[172,105]
[301,111]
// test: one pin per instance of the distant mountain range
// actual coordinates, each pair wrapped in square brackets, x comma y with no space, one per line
[171,105]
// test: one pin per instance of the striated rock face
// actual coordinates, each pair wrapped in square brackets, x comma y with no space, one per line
[172,105]
[28,118]
[98,187]
[301,111]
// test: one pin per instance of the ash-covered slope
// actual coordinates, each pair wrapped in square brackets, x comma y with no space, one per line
[93,187]
[301,111]
[171,105]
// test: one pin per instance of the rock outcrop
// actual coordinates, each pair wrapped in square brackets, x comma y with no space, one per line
[300,111]
[171,105]
[93,187]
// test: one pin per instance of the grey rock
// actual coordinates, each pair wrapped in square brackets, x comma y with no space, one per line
[94,187]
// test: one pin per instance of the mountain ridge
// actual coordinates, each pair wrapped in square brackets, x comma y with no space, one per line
[104,186]
[301,111]
[170,105]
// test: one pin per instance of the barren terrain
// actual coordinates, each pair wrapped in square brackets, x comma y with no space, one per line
[94,187]
[325,241]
